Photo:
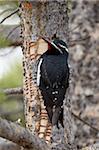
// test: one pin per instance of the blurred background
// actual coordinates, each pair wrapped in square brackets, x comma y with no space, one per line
[84,61]
[11,105]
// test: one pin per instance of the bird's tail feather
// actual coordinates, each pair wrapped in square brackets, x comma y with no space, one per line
[56,116]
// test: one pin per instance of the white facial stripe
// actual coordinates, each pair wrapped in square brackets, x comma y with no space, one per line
[56,47]
[64,47]
[38,72]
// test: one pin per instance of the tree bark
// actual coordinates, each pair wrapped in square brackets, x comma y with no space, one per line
[34,106]
[21,136]
[12,91]
[47,19]
[5,145]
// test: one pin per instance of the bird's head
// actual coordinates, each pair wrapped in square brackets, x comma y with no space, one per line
[58,45]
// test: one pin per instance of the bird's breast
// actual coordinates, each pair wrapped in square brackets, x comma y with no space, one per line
[53,69]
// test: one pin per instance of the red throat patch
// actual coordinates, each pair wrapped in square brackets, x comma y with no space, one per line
[49,46]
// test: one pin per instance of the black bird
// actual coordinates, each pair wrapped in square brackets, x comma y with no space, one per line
[53,79]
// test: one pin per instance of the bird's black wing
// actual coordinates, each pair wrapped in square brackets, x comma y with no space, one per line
[53,84]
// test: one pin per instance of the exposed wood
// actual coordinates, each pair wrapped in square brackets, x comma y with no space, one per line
[34,107]
[26,27]
[49,21]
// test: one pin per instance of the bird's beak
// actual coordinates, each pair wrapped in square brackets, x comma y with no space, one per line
[46,40]
[51,43]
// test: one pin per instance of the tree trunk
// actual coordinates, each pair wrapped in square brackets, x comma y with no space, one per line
[47,19]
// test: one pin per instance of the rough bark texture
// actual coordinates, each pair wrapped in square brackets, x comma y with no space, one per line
[12,91]
[85,63]
[26,24]
[24,139]
[34,107]
[5,145]
[84,58]
[20,136]
[51,20]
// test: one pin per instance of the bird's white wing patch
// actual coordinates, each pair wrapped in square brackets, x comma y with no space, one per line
[38,72]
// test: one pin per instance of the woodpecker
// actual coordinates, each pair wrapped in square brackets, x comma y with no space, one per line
[53,79]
